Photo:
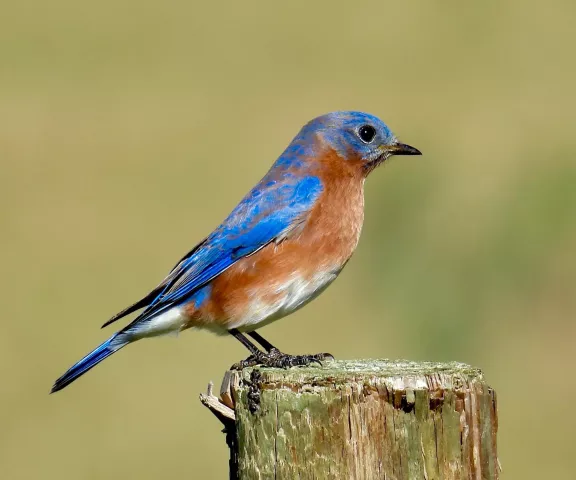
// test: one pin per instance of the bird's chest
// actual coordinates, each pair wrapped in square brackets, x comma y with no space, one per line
[311,258]
[283,277]
[333,229]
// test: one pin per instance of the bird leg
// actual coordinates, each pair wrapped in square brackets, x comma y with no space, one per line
[262,341]
[273,357]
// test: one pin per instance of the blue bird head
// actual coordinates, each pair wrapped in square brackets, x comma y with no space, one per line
[353,135]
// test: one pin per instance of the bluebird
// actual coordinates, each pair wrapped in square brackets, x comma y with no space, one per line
[283,244]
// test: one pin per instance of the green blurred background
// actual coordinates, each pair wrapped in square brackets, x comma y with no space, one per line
[129,129]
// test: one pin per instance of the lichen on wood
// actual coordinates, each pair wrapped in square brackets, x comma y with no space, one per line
[367,419]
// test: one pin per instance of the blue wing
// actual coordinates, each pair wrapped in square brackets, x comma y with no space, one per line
[267,214]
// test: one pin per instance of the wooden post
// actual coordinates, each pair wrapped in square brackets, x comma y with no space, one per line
[368,419]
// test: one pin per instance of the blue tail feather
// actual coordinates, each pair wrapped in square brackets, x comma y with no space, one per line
[89,361]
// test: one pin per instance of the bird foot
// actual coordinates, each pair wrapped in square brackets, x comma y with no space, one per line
[276,359]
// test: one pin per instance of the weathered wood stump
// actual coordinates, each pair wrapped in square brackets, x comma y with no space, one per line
[367,419]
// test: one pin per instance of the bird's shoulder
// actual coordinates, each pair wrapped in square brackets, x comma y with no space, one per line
[277,201]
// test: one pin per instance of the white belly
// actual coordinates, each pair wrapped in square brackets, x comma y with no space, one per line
[170,321]
[290,296]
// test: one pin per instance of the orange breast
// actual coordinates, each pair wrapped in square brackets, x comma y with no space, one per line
[280,278]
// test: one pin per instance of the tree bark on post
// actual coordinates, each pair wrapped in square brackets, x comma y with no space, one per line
[366,419]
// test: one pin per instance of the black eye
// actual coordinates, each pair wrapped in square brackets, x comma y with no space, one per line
[366,133]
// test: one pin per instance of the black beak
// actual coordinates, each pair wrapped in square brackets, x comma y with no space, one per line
[403,149]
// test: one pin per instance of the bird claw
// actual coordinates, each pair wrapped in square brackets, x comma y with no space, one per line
[276,359]
[251,361]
